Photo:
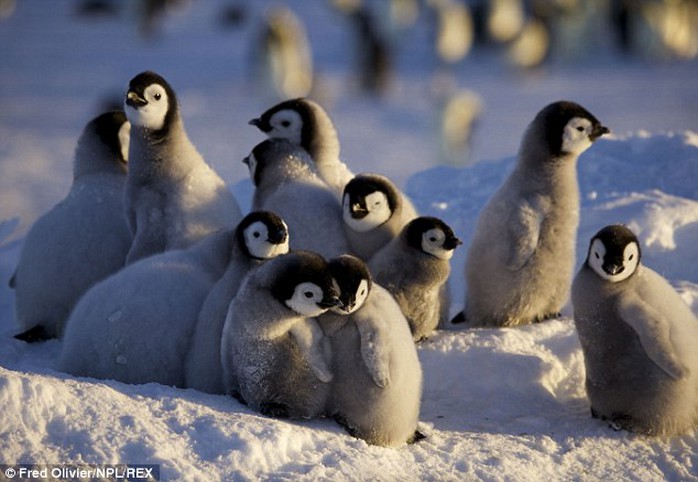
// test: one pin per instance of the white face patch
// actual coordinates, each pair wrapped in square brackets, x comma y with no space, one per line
[631,257]
[305,299]
[151,115]
[286,124]
[361,295]
[576,136]
[125,139]
[359,298]
[433,244]
[257,241]
[378,212]
[597,252]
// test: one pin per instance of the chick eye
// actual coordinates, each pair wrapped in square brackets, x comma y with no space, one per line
[432,239]
[580,129]
[255,234]
[630,258]
[285,123]
[308,294]
[597,255]
[157,96]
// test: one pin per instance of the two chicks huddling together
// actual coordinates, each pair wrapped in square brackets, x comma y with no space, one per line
[310,305]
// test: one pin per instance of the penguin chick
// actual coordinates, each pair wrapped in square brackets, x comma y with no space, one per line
[286,183]
[82,239]
[414,267]
[354,282]
[520,262]
[638,338]
[374,57]
[261,235]
[304,122]
[173,197]
[262,362]
[136,326]
[374,213]
[377,384]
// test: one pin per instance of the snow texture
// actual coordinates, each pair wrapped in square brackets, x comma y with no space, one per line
[497,404]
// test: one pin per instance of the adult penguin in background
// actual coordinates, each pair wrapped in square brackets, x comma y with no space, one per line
[261,235]
[520,262]
[282,55]
[374,212]
[304,122]
[638,337]
[374,58]
[414,268]
[173,197]
[263,362]
[286,182]
[81,240]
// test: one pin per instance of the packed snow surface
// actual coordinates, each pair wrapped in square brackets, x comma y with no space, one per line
[498,404]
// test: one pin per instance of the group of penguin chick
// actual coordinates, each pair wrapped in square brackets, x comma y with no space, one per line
[197,295]
[310,304]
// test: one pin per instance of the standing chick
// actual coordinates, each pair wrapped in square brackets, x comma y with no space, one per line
[377,384]
[263,361]
[82,240]
[304,122]
[521,259]
[374,213]
[286,183]
[414,268]
[638,337]
[173,198]
[261,235]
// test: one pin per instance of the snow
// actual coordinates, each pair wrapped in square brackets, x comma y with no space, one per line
[506,404]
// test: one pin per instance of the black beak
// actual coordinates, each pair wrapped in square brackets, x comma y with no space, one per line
[260,124]
[358,211]
[598,131]
[278,236]
[613,269]
[246,160]
[330,302]
[134,100]
[452,243]
[347,303]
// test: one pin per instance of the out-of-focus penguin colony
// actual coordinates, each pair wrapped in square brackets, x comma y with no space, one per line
[311,303]
[525,35]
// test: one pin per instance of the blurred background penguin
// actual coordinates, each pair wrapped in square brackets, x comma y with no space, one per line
[282,57]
